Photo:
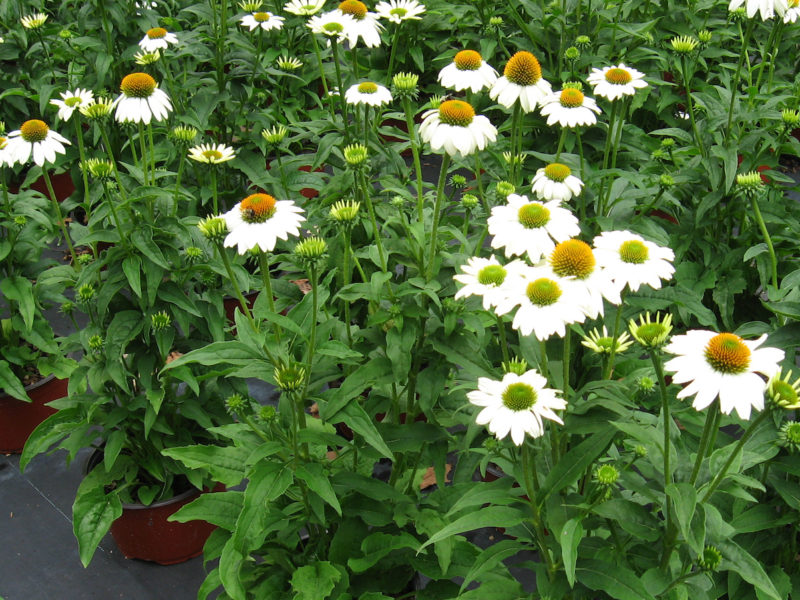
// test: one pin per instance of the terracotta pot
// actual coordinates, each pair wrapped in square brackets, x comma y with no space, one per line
[309,192]
[231,303]
[143,532]
[18,419]
[63,186]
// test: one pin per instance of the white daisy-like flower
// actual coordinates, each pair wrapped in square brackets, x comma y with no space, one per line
[141,100]
[631,260]
[260,220]
[532,228]
[516,404]
[455,127]
[556,182]
[365,24]
[574,258]
[212,154]
[369,93]
[547,303]
[34,137]
[570,108]
[157,38]
[147,58]
[330,24]
[70,101]
[792,11]
[767,8]
[304,8]
[267,21]
[398,11]
[521,81]
[485,277]
[5,155]
[724,365]
[615,82]
[33,21]
[468,71]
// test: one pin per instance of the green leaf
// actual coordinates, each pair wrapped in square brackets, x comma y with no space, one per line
[218,508]
[480,493]
[754,251]
[132,267]
[268,480]
[377,545]
[225,464]
[571,535]
[20,290]
[684,499]
[738,560]
[229,352]
[10,383]
[359,421]
[365,376]
[492,516]
[317,480]
[122,329]
[488,559]
[315,581]
[574,463]
[93,512]
[615,579]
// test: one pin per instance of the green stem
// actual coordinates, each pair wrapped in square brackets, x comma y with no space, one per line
[330,99]
[107,144]
[395,38]
[143,146]
[767,239]
[371,210]
[346,234]
[114,214]
[265,277]
[711,418]
[335,48]
[437,209]
[515,168]
[565,362]
[181,164]
[617,320]
[690,106]
[724,471]
[536,519]
[655,358]
[227,262]
[412,138]
[543,364]
[606,153]
[84,175]
[501,328]
[214,193]
[561,139]
[60,218]
[737,76]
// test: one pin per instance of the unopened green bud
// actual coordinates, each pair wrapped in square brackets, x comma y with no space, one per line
[495,21]
[20,221]
[790,117]
[397,202]
[147,58]
[100,168]
[267,413]
[789,436]
[516,365]
[160,321]
[250,7]
[710,559]
[458,182]
[85,293]
[235,404]
[684,44]
[704,35]
[651,334]
[85,258]
[667,142]
[640,451]
[184,134]
[666,181]
[345,211]
[95,343]
[750,184]
[311,248]
[573,85]
[290,377]
[274,135]
[606,474]
[214,229]
[288,63]
[583,41]
[572,53]
[98,110]
[355,155]
[505,189]
[65,34]
[404,85]
[193,254]
[67,307]
[469,201]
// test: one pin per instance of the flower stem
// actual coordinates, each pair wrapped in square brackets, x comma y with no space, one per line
[395,38]
[60,218]
[181,165]
[84,175]
[265,276]
[690,106]
[724,471]
[712,420]
[214,192]
[328,96]
[767,239]
[114,214]
[565,362]
[655,358]
[110,154]
[412,138]
[737,76]
[606,153]
[226,261]
[346,249]
[617,321]
[371,210]
[536,519]
[143,146]
[437,209]
[516,136]
[335,48]
[501,328]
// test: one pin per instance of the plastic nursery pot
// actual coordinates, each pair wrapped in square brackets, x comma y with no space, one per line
[143,532]
[231,303]
[18,419]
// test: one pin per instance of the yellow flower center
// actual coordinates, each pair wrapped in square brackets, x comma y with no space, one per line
[727,353]
[557,172]
[138,85]
[260,17]
[618,76]
[573,258]
[571,98]
[257,208]
[456,112]
[34,131]
[519,396]
[784,392]
[400,12]
[212,154]
[523,69]
[468,60]
[156,33]
[794,3]
[3,142]
[367,87]
[354,8]
[634,252]
[533,215]
[73,102]
[543,292]
[333,27]
[492,275]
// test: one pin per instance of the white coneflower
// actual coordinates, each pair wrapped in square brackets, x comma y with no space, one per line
[631,260]
[212,154]
[331,24]
[485,277]
[398,11]
[157,38]
[70,101]
[532,228]
[556,182]
[368,93]
[521,81]
[34,137]
[570,108]
[260,220]
[141,100]
[767,8]
[267,21]
[724,365]
[455,127]
[34,21]
[517,405]
[468,71]
[304,8]
[364,25]
[147,58]
[792,12]
[615,82]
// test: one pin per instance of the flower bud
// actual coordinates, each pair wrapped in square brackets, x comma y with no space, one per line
[516,365]
[470,201]
[98,110]
[355,155]
[345,211]
[95,343]
[160,321]
[274,135]
[666,181]
[684,44]
[183,134]
[505,189]
[704,35]
[710,559]
[606,474]
[649,333]
[572,53]
[404,85]
[236,404]
[85,293]
[583,41]
[214,229]
[290,378]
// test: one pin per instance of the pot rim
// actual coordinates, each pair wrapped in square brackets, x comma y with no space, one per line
[32,386]
[183,496]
